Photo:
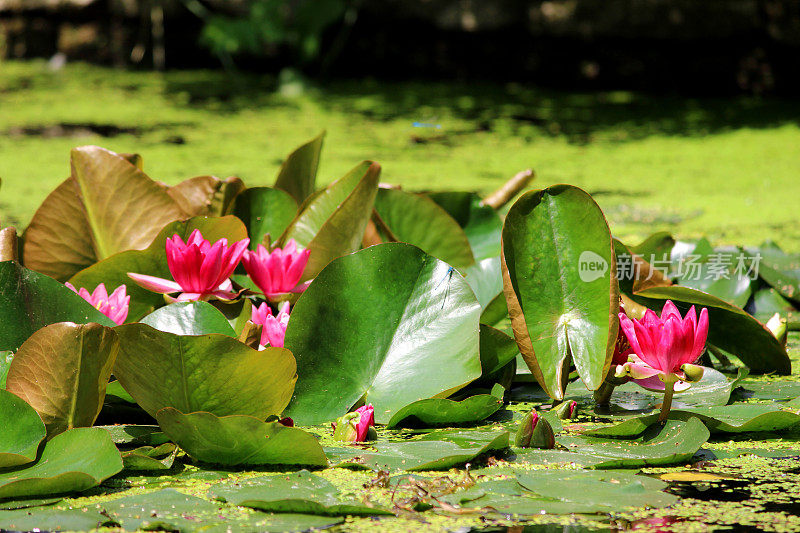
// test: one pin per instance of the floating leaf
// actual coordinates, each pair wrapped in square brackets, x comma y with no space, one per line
[106,206]
[213,373]
[73,461]
[163,510]
[718,276]
[189,318]
[149,458]
[416,219]
[602,491]
[298,174]
[298,492]
[737,418]
[398,326]
[240,440]
[560,286]
[730,327]
[332,223]
[414,455]
[264,211]
[22,432]
[51,519]
[676,442]
[443,412]
[29,301]
[62,371]
[5,364]
[153,261]
[767,302]
[136,435]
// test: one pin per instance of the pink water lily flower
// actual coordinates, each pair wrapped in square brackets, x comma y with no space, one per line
[278,272]
[114,306]
[355,426]
[366,420]
[274,327]
[664,349]
[200,269]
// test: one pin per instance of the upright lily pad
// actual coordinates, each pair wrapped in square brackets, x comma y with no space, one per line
[560,285]
[240,440]
[444,412]
[415,455]
[481,223]
[264,211]
[486,279]
[730,327]
[189,318]
[62,371]
[398,326]
[5,363]
[417,220]
[298,492]
[153,261]
[29,301]
[22,433]
[106,206]
[298,174]
[332,222]
[73,461]
[213,373]
[206,195]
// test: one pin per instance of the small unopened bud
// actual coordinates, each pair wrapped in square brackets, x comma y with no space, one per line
[535,432]
[694,373]
[346,428]
[567,410]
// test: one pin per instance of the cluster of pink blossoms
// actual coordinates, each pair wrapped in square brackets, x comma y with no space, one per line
[201,271]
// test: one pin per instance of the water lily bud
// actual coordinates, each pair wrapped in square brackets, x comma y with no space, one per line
[567,410]
[778,327]
[535,432]
[346,428]
[694,373]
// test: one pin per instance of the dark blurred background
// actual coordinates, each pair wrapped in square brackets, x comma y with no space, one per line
[695,47]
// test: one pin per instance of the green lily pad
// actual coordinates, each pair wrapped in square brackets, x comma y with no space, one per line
[730,328]
[481,223]
[486,280]
[115,389]
[560,285]
[62,371]
[416,219]
[781,271]
[675,443]
[136,435]
[605,491]
[5,364]
[332,222]
[299,492]
[22,432]
[164,510]
[713,389]
[150,458]
[496,312]
[213,373]
[414,455]
[768,301]
[153,261]
[25,503]
[51,519]
[73,461]
[399,326]
[444,412]
[298,174]
[737,418]
[240,440]
[717,275]
[29,301]
[497,350]
[768,390]
[264,211]
[189,318]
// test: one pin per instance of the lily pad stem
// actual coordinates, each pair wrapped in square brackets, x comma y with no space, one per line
[669,390]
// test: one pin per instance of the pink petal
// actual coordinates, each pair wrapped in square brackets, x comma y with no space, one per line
[700,335]
[301,287]
[641,371]
[670,310]
[188,297]
[152,283]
